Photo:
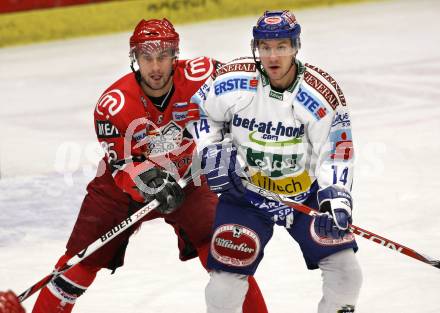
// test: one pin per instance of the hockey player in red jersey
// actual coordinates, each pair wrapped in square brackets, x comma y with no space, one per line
[9,303]
[141,122]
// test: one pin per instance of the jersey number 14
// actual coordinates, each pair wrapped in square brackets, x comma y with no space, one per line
[343,175]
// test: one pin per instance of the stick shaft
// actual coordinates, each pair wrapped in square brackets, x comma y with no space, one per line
[100,242]
[387,243]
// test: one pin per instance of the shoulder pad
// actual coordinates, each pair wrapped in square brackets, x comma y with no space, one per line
[114,99]
[244,64]
[110,103]
[325,85]
[198,69]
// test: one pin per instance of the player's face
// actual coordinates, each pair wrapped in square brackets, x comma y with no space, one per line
[276,57]
[156,68]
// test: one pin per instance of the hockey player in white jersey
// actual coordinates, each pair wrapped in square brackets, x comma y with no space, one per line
[289,122]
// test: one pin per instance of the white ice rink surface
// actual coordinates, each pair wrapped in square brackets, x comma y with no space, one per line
[385,56]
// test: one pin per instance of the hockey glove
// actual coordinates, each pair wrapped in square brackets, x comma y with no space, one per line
[335,204]
[160,185]
[9,303]
[221,168]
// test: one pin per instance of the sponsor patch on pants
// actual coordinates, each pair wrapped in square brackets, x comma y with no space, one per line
[235,245]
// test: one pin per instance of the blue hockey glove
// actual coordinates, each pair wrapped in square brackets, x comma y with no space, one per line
[220,166]
[335,204]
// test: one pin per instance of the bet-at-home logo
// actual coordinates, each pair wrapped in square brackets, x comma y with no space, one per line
[273,165]
[268,133]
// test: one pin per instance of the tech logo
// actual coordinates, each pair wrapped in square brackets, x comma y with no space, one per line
[235,245]
[111,102]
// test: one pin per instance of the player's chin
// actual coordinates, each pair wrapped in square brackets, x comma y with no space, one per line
[157,84]
[274,75]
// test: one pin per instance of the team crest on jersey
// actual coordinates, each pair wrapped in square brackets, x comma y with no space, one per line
[110,103]
[235,245]
[198,69]
[165,139]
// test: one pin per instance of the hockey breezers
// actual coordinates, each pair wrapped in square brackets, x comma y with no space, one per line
[100,242]
[353,228]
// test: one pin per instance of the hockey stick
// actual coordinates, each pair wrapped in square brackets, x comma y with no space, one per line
[353,228]
[100,242]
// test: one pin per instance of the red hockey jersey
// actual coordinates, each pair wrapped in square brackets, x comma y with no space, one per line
[131,129]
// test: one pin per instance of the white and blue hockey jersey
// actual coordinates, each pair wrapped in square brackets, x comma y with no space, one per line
[290,140]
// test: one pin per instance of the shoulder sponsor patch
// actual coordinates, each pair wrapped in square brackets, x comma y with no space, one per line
[236,67]
[198,69]
[331,80]
[342,120]
[322,88]
[342,145]
[311,103]
[110,103]
[235,83]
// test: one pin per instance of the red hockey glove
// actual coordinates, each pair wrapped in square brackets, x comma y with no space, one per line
[9,303]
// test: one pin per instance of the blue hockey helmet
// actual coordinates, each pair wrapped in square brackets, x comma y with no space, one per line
[277,25]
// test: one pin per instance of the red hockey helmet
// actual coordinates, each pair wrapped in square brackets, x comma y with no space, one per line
[153,35]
